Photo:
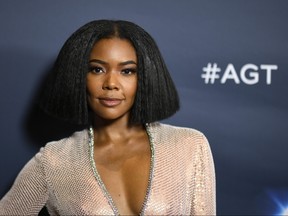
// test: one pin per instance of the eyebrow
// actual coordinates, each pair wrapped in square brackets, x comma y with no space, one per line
[105,63]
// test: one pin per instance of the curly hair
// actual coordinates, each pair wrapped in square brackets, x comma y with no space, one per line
[64,94]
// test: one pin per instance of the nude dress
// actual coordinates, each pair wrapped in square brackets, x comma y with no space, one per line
[63,177]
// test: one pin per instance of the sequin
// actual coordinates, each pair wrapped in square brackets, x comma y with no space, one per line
[62,177]
[101,183]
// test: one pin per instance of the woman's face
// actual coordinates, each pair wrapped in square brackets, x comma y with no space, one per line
[112,78]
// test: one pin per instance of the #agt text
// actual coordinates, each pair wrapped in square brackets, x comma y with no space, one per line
[249,73]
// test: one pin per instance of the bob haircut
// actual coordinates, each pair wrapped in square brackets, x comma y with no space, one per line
[64,94]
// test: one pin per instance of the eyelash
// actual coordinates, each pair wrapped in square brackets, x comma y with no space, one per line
[94,69]
[126,71]
[129,70]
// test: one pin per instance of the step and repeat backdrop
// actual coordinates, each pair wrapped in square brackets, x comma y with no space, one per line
[229,61]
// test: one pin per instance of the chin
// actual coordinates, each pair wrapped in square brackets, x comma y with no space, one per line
[111,117]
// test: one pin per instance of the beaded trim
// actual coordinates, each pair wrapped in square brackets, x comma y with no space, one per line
[100,182]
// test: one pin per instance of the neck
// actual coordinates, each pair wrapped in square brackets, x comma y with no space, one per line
[114,129]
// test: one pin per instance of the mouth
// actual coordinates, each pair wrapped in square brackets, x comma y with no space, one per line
[110,102]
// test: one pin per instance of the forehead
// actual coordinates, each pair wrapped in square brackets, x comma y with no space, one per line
[113,47]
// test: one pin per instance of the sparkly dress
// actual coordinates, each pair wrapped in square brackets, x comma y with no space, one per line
[64,178]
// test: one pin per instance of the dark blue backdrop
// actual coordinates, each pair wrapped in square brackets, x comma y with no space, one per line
[239,46]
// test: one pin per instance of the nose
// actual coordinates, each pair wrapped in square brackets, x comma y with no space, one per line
[110,82]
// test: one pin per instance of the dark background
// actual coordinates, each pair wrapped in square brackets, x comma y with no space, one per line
[245,124]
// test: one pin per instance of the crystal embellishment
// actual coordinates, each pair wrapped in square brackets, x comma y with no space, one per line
[100,182]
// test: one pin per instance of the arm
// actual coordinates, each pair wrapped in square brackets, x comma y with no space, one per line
[29,192]
[204,198]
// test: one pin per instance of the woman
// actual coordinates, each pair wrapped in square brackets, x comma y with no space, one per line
[110,76]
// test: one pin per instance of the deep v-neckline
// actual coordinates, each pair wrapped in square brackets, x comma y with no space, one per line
[101,183]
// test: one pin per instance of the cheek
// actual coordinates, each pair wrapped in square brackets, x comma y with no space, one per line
[132,89]
[133,83]
[92,87]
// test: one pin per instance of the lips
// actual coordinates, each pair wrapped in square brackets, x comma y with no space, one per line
[110,102]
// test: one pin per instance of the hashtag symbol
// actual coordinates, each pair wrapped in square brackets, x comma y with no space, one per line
[210,73]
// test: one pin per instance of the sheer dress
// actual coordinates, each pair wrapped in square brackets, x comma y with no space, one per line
[63,177]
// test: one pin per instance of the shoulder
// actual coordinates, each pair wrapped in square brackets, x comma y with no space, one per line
[175,132]
[65,149]
[69,141]
[182,139]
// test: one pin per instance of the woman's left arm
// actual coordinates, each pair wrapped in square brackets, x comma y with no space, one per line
[204,201]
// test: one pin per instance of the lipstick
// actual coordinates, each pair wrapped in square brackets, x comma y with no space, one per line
[110,102]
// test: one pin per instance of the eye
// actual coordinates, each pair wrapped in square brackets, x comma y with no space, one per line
[128,71]
[96,70]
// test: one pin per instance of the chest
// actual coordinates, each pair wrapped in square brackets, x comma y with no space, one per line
[124,176]
[166,182]
[86,193]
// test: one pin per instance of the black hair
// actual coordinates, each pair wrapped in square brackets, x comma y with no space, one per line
[64,95]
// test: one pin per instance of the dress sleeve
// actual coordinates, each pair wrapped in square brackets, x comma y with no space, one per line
[204,197]
[28,194]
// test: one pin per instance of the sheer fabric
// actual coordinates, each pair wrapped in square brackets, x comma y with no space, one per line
[60,176]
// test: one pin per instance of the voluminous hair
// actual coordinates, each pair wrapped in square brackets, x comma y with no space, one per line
[64,95]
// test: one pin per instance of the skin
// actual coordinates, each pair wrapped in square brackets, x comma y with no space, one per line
[121,151]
